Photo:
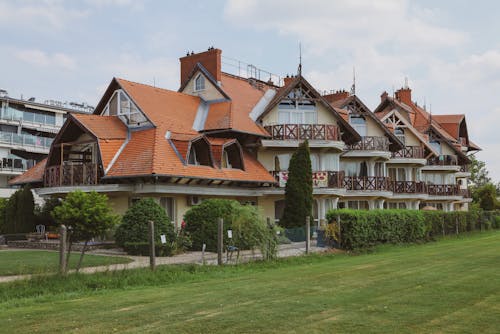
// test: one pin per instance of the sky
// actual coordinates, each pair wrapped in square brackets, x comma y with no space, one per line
[449,51]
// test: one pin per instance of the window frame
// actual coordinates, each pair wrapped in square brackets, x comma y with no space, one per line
[202,86]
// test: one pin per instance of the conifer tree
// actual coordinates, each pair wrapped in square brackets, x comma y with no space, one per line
[298,190]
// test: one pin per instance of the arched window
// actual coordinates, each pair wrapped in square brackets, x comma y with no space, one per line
[358,122]
[199,83]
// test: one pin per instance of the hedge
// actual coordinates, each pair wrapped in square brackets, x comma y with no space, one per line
[364,229]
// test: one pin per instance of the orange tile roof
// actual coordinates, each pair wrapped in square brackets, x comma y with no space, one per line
[137,156]
[451,123]
[32,175]
[103,127]
[219,116]
[167,109]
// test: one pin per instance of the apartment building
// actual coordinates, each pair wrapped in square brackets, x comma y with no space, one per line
[27,129]
[231,135]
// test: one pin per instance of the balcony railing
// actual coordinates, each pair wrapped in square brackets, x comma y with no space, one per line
[321,179]
[443,190]
[371,143]
[303,131]
[71,175]
[379,183]
[443,160]
[408,187]
[12,114]
[25,140]
[409,152]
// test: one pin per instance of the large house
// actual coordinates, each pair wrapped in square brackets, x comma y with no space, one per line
[27,128]
[228,136]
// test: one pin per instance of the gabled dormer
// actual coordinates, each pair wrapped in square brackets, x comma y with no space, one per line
[298,112]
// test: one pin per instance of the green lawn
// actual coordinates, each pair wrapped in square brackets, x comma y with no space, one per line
[450,286]
[16,262]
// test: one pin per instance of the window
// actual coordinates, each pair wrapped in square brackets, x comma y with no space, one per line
[231,157]
[297,108]
[199,83]
[281,162]
[168,203]
[314,162]
[199,153]
[400,134]
[397,174]
[358,205]
[121,105]
[354,168]
[436,146]
[358,122]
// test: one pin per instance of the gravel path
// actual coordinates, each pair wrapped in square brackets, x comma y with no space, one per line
[293,249]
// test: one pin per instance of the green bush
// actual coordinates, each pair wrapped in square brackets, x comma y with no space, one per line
[19,212]
[202,221]
[363,229]
[3,206]
[134,226]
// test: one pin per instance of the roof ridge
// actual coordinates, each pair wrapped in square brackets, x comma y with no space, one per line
[160,88]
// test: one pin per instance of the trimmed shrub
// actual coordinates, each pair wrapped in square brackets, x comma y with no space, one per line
[201,222]
[132,233]
[364,229]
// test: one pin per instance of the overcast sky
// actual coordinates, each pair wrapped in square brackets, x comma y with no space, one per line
[449,50]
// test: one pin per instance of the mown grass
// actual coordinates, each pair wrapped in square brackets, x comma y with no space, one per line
[18,262]
[447,286]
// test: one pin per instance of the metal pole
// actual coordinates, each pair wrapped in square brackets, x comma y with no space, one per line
[62,249]
[220,242]
[308,234]
[152,258]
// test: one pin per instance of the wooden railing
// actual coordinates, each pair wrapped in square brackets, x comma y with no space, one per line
[379,183]
[443,160]
[321,179]
[443,190]
[408,187]
[371,143]
[409,152]
[303,131]
[71,175]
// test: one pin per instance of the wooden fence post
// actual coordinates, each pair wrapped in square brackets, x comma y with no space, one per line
[340,231]
[308,234]
[152,258]
[62,249]
[220,241]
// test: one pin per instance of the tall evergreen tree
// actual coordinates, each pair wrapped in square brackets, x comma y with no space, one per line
[298,190]
[19,212]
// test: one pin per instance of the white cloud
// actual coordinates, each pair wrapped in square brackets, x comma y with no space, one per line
[133,4]
[38,15]
[42,59]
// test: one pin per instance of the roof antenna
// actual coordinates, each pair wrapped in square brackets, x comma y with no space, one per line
[154,82]
[425,105]
[300,59]
[353,87]
[406,82]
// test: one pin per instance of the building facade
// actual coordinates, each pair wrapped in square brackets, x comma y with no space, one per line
[27,129]
[228,136]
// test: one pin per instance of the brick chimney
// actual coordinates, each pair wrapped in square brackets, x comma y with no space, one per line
[288,79]
[210,59]
[404,95]
[337,96]
[383,96]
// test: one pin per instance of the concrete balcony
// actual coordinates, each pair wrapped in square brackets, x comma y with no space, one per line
[369,146]
[26,142]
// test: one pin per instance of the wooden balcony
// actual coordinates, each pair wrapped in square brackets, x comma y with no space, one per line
[371,143]
[409,152]
[71,175]
[303,131]
[408,187]
[370,183]
[443,190]
[321,179]
[443,160]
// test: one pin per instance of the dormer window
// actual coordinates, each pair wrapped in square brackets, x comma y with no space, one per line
[199,83]
[297,108]
[199,153]
[231,157]
[121,105]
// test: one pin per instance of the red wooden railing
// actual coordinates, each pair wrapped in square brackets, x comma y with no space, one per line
[71,175]
[409,152]
[371,143]
[367,183]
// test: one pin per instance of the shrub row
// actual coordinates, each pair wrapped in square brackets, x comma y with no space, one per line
[364,229]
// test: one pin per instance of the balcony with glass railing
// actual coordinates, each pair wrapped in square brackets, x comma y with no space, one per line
[443,160]
[31,117]
[25,140]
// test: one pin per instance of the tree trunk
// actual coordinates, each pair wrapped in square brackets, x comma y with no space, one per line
[81,256]
[68,253]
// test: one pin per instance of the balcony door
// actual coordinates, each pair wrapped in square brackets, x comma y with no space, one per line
[358,122]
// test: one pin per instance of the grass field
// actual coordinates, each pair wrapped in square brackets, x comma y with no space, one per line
[450,286]
[16,262]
